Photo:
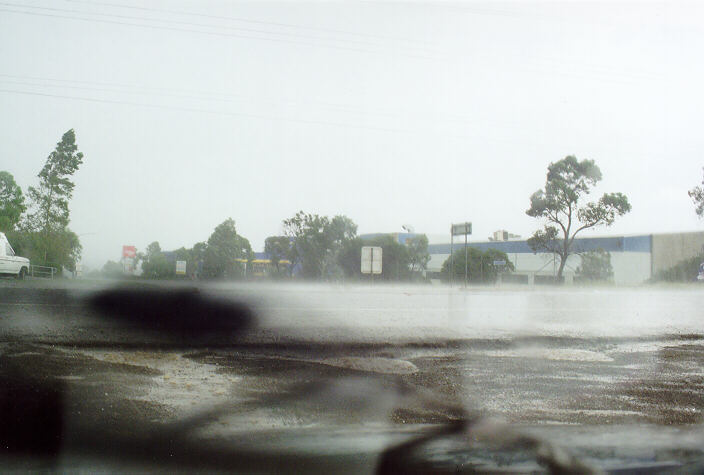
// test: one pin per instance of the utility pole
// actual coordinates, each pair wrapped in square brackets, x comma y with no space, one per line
[452,256]
[465,261]
[458,230]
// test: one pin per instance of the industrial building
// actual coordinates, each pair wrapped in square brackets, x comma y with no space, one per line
[634,259]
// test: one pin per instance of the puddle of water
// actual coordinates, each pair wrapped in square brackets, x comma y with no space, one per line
[184,385]
[646,346]
[373,364]
[561,354]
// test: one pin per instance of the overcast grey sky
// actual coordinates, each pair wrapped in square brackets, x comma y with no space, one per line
[189,112]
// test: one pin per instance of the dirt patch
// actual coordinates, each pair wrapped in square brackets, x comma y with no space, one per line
[85,392]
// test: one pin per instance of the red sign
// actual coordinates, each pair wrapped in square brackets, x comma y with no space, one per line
[129,251]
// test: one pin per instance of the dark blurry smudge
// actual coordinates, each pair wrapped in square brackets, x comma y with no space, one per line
[31,417]
[407,457]
[402,458]
[177,313]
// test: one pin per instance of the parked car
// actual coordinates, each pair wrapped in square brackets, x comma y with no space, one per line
[10,264]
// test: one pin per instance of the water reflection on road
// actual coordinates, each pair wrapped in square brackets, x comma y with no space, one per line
[404,312]
[602,370]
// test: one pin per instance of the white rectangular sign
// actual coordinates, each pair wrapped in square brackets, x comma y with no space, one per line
[461,229]
[180,267]
[371,260]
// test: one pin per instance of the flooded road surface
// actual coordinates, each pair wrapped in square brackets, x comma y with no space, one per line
[334,375]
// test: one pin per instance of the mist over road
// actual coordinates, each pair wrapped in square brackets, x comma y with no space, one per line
[576,366]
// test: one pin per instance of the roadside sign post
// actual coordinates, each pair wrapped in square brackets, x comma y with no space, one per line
[129,253]
[371,260]
[180,267]
[452,257]
[465,261]
[459,230]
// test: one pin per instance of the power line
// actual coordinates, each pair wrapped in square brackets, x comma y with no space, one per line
[171,28]
[244,20]
[465,8]
[604,73]
[227,97]
[178,22]
[191,94]
[119,88]
[259,116]
[209,111]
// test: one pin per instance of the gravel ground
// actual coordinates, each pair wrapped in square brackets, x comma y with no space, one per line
[276,401]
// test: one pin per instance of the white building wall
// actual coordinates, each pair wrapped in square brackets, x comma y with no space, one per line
[629,267]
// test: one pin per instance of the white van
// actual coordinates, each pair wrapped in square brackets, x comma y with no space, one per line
[10,264]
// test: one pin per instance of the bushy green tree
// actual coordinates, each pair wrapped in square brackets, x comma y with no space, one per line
[596,266]
[310,242]
[63,249]
[224,247]
[155,265]
[12,204]
[560,204]
[685,270]
[480,265]
[350,257]
[697,195]
[112,270]
[317,242]
[418,254]
[396,260]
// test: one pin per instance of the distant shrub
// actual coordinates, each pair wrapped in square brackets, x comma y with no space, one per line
[596,267]
[684,271]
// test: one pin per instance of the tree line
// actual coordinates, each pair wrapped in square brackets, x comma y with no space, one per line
[223,256]
[320,247]
[312,247]
[37,226]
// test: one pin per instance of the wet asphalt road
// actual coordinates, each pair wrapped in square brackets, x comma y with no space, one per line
[616,375]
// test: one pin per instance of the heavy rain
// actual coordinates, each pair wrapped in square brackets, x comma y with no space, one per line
[351,237]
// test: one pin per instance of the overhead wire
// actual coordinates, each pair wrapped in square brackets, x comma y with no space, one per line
[109,20]
[343,125]
[189,94]
[186,23]
[210,111]
[211,95]
[600,73]
[604,74]
[119,88]
[244,20]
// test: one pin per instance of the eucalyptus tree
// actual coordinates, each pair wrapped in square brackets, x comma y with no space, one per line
[317,242]
[224,252]
[49,200]
[697,195]
[561,205]
[12,204]
[418,252]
